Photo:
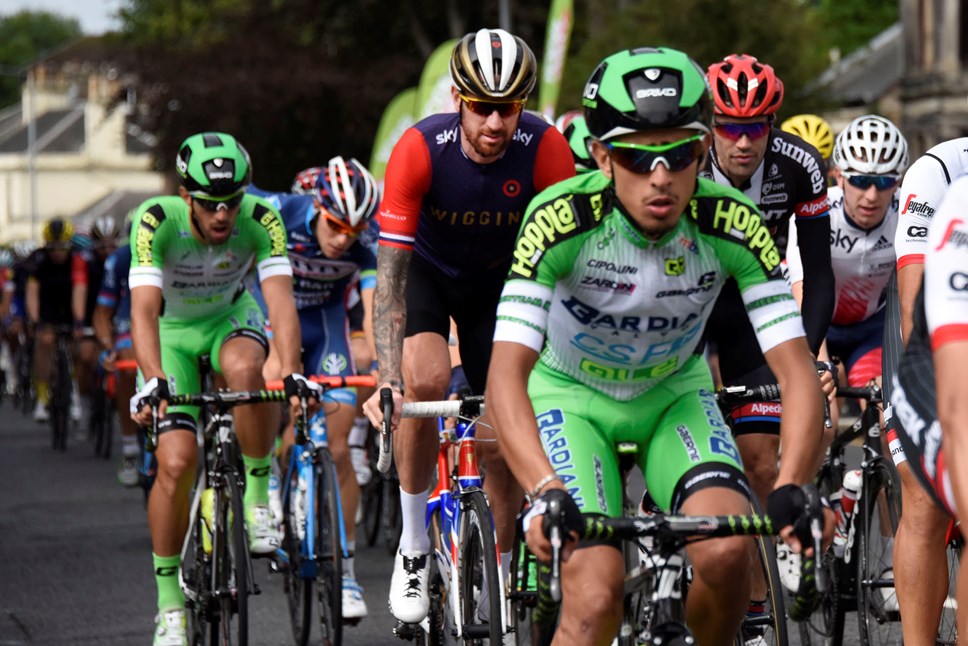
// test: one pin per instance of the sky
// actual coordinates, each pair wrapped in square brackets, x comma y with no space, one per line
[94,15]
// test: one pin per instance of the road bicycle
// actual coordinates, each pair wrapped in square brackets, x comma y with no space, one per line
[216,569]
[466,589]
[656,586]
[314,538]
[61,387]
[23,394]
[860,579]
[102,421]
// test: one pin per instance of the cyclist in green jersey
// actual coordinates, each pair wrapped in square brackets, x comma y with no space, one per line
[189,255]
[615,273]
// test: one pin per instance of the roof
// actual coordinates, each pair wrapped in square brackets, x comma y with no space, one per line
[867,74]
[62,131]
[116,204]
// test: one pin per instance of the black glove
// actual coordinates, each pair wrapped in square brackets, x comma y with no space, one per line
[152,393]
[554,505]
[785,506]
[297,385]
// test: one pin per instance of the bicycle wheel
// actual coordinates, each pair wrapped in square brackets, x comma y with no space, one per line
[523,591]
[230,574]
[441,629]
[298,589]
[877,611]
[769,627]
[392,521]
[948,630]
[197,575]
[329,550]
[102,423]
[478,574]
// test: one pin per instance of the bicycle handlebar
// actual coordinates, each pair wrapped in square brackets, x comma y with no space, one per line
[386,438]
[362,381]
[472,406]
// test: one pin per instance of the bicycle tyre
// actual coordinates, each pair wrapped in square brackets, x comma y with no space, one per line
[372,496]
[197,575]
[523,591]
[298,590]
[329,550]
[878,622]
[774,625]
[103,420]
[230,575]
[392,521]
[477,567]
[440,618]
[948,628]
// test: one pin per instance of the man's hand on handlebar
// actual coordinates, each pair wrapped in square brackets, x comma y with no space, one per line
[537,524]
[302,391]
[787,507]
[154,393]
[373,407]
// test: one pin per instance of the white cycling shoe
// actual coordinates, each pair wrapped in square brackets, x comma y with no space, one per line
[409,599]
[354,606]
[264,534]
[171,628]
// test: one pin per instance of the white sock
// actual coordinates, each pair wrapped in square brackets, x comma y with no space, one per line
[348,566]
[505,568]
[358,432]
[413,538]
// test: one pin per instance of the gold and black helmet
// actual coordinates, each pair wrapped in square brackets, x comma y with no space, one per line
[493,65]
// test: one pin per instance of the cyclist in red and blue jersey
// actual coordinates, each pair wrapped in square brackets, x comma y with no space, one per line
[329,267]
[112,329]
[455,191]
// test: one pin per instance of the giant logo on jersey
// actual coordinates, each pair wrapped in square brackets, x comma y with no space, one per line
[740,222]
[546,225]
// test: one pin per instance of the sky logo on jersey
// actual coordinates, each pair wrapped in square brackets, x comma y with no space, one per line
[447,136]
[921,208]
[739,221]
[548,224]
[523,137]
[551,426]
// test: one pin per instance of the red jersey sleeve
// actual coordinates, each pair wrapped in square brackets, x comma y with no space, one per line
[78,270]
[554,161]
[406,182]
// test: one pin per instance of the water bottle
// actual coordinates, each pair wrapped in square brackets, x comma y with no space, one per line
[299,512]
[275,494]
[848,499]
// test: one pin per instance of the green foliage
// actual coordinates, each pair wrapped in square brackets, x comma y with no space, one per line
[851,24]
[24,36]
[782,33]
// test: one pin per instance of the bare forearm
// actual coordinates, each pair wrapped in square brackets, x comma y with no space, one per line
[145,309]
[390,311]
[78,301]
[802,420]
[908,286]
[277,291]
[33,300]
[103,329]
[514,418]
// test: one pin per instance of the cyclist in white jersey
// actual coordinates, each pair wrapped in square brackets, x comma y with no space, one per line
[920,566]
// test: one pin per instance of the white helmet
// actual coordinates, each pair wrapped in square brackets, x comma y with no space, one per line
[871,145]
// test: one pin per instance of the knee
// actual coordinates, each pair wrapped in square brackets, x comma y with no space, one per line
[592,611]
[722,563]
[176,469]
[429,384]
[761,469]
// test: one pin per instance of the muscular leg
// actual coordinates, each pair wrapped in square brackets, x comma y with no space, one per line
[591,584]
[721,571]
[338,425]
[920,566]
[240,360]
[504,493]
[759,453]
[426,373]
[169,500]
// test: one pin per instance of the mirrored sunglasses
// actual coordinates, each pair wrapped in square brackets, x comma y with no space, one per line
[338,227]
[864,182]
[639,158]
[214,204]
[735,131]
[485,108]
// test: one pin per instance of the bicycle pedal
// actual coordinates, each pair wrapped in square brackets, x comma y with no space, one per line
[352,621]
[406,631]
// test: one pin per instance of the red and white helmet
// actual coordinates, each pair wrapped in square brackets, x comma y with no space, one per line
[743,87]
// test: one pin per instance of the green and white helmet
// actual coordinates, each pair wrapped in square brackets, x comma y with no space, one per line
[214,165]
[576,132]
[649,88]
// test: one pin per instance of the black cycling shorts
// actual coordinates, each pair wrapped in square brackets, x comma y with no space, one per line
[433,299]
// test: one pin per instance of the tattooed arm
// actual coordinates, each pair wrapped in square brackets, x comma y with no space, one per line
[389,324]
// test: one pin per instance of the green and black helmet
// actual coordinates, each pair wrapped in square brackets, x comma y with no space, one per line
[576,132]
[213,165]
[647,89]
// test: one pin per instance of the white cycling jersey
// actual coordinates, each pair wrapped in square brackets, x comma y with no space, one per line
[922,191]
[862,261]
[946,269]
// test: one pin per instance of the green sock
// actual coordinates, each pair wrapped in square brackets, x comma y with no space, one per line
[257,480]
[170,594]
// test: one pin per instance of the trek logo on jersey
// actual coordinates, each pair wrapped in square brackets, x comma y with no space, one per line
[738,221]
[523,137]
[953,236]
[551,425]
[675,266]
[921,208]
[818,179]
[447,136]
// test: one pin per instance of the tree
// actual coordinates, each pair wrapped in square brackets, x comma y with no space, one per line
[23,37]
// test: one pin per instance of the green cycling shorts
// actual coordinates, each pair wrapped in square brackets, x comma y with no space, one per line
[683,443]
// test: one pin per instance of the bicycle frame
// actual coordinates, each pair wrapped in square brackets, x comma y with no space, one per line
[303,462]
[452,483]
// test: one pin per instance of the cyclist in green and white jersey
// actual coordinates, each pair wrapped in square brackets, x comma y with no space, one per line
[614,276]
[189,255]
